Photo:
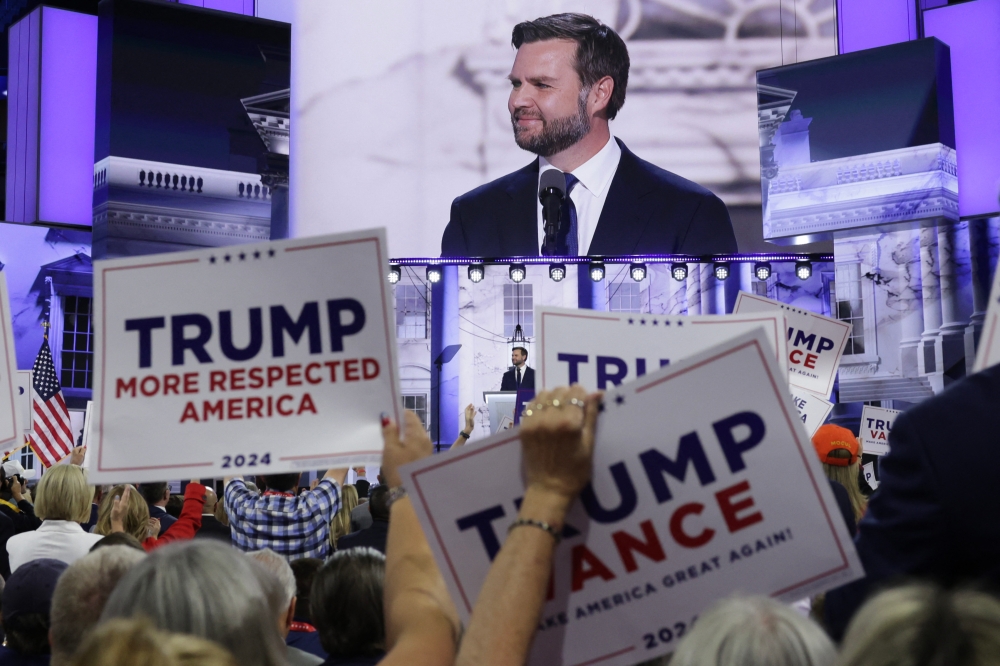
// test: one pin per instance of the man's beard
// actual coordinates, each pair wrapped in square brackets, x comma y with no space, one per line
[557,134]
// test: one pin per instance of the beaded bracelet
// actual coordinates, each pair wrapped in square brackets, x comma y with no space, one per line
[520,522]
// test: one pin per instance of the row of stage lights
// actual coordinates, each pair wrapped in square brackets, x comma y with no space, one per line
[679,271]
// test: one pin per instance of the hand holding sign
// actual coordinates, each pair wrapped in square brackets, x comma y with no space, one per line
[416,444]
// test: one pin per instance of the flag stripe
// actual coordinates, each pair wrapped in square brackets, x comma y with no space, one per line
[51,437]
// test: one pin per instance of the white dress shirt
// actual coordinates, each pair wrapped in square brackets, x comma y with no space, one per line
[56,539]
[595,176]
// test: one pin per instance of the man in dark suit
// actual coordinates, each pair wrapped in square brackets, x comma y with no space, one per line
[156,496]
[934,516]
[374,536]
[568,81]
[520,376]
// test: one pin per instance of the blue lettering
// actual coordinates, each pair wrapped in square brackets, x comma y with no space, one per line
[231,351]
[281,322]
[574,361]
[195,344]
[604,376]
[824,344]
[689,452]
[338,331]
[483,523]
[734,449]
[145,328]
[801,338]
[626,490]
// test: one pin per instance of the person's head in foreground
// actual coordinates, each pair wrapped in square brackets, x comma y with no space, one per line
[138,643]
[63,494]
[754,631]
[283,600]
[136,519]
[840,452]
[81,593]
[26,602]
[569,77]
[924,625]
[206,589]
[346,604]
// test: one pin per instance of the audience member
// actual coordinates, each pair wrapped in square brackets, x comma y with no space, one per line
[361,515]
[62,503]
[15,498]
[174,505]
[840,453]
[118,539]
[347,607]
[374,536]
[206,589]
[470,425]
[924,624]
[122,511]
[6,532]
[363,487]
[27,599]
[221,515]
[156,496]
[80,596]
[212,527]
[284,602]
[342,521]
[95,505]
[303,634]
[753,631]
[291,526]
[934,514]
[137,643]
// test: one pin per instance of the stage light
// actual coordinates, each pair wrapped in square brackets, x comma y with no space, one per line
[394,274]
[557,272]
[434,274]
[762,269]
[597,271]
[638,272]
[679,271]
[721,270]
[477,272]
[803,269]
[517,272]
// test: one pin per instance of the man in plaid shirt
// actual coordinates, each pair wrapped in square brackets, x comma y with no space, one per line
[292,526]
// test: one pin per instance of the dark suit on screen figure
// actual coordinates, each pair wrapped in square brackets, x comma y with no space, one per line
[520,376]
[560,104]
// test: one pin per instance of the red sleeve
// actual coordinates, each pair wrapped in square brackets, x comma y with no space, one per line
[188,523]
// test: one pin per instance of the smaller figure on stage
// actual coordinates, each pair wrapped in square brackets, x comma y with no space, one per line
[520,376]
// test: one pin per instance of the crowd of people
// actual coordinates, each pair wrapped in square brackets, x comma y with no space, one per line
[271,573]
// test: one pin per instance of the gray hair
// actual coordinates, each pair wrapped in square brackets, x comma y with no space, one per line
[751,631]
[82,592]
[277,566]
[205,589]
[923,624]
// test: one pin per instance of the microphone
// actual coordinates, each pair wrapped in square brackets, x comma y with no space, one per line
[551,191]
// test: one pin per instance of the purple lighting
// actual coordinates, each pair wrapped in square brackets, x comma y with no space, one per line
[66,140]
[971,30]
[866,24]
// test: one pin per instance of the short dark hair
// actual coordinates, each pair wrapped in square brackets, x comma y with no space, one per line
[378,503]
[28,633]
[362,487]
[282,483]
[304,571]
[347,605]
[152,492]
[600,51]
[523,351]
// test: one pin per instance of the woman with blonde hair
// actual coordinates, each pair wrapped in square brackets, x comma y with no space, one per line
[124,510]
[840,453]
[341,523]
[62,502]
[138,643]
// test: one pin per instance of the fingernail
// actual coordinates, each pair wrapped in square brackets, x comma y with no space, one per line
[385,419]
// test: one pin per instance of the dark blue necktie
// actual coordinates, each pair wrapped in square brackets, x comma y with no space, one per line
[519,378]
[566,241]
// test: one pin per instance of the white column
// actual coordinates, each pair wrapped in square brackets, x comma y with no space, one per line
[979,259]
[956,297]
[694,305]
[910,298]
[929,359]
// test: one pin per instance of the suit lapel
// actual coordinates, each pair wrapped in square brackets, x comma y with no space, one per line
[623,220]
[519,232]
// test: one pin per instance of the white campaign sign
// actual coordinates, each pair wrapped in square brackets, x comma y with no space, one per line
[683,509]
[604,349]
[813,409]
[10,434]
[876,422]
[989,342]
[22,400]
[262,358]
[869,470]
[815,342]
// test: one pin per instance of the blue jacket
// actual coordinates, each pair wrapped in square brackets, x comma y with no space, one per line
[648,210]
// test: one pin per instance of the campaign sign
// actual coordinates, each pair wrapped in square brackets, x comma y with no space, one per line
[876,422]
[989,343]
[813,409]
[600,350]
[815,342]
[683,509]
[22,400]
[262,358]
[869,472]
[10,434]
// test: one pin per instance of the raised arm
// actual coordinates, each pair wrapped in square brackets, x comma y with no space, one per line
[557,441]
[421,624]
[470,425]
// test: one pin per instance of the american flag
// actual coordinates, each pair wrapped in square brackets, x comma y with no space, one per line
[51,438]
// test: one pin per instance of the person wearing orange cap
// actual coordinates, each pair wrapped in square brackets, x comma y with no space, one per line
[840,453]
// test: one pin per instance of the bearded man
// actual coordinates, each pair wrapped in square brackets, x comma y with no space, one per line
[568,82]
